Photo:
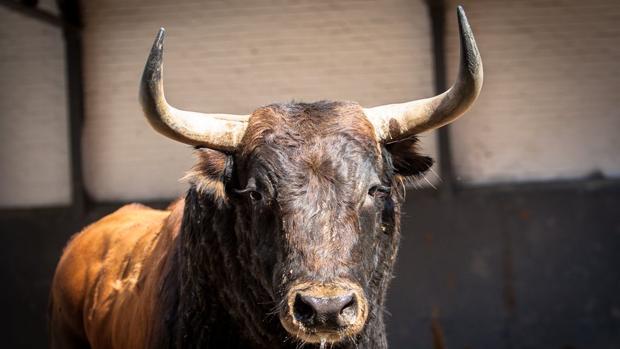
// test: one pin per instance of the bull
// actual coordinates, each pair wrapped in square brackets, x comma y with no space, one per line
[286,237]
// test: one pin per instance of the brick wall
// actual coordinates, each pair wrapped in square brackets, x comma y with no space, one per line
[549,106]
[233,56]
[34,158]
[547,110]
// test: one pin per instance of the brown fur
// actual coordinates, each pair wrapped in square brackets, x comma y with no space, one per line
[109,276]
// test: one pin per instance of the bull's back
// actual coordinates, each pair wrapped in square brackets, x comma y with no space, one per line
[102,288]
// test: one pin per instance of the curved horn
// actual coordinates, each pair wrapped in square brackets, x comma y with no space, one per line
[395,122]
[216,131]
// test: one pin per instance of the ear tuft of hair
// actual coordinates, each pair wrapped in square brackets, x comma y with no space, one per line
[406,159]
[211,173]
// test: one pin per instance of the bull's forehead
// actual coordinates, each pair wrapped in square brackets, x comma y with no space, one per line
[297,127]
[329,141]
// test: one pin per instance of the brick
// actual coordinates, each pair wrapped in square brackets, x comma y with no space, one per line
[34,157]
[549,106]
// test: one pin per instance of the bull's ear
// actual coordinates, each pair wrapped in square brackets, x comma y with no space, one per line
[211,173]
[406,159]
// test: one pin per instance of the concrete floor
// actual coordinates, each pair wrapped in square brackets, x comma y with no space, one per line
[533,266]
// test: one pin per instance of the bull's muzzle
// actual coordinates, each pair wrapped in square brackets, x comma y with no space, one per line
[324,312]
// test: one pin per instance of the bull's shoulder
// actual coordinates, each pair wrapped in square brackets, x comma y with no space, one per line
[113,235]
[103,260]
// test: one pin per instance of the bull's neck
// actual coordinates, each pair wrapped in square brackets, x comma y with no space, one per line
[217,302]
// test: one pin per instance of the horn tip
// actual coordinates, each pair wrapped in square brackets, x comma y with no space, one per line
[460,12]
[159,38]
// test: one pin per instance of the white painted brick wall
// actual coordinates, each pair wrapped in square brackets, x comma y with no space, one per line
[548,109]
[34,158]
[549,106]
[233,56]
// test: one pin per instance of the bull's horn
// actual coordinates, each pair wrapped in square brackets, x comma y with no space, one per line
[395,122]
[216,131]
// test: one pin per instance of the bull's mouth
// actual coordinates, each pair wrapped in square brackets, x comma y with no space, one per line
[324,312]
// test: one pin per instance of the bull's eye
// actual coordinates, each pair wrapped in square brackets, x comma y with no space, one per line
[379,191]
[256,196]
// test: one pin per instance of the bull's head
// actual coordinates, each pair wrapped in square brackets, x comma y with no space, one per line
[316,189]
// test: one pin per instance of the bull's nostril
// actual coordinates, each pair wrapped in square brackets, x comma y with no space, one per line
[303,311]
[349,311]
